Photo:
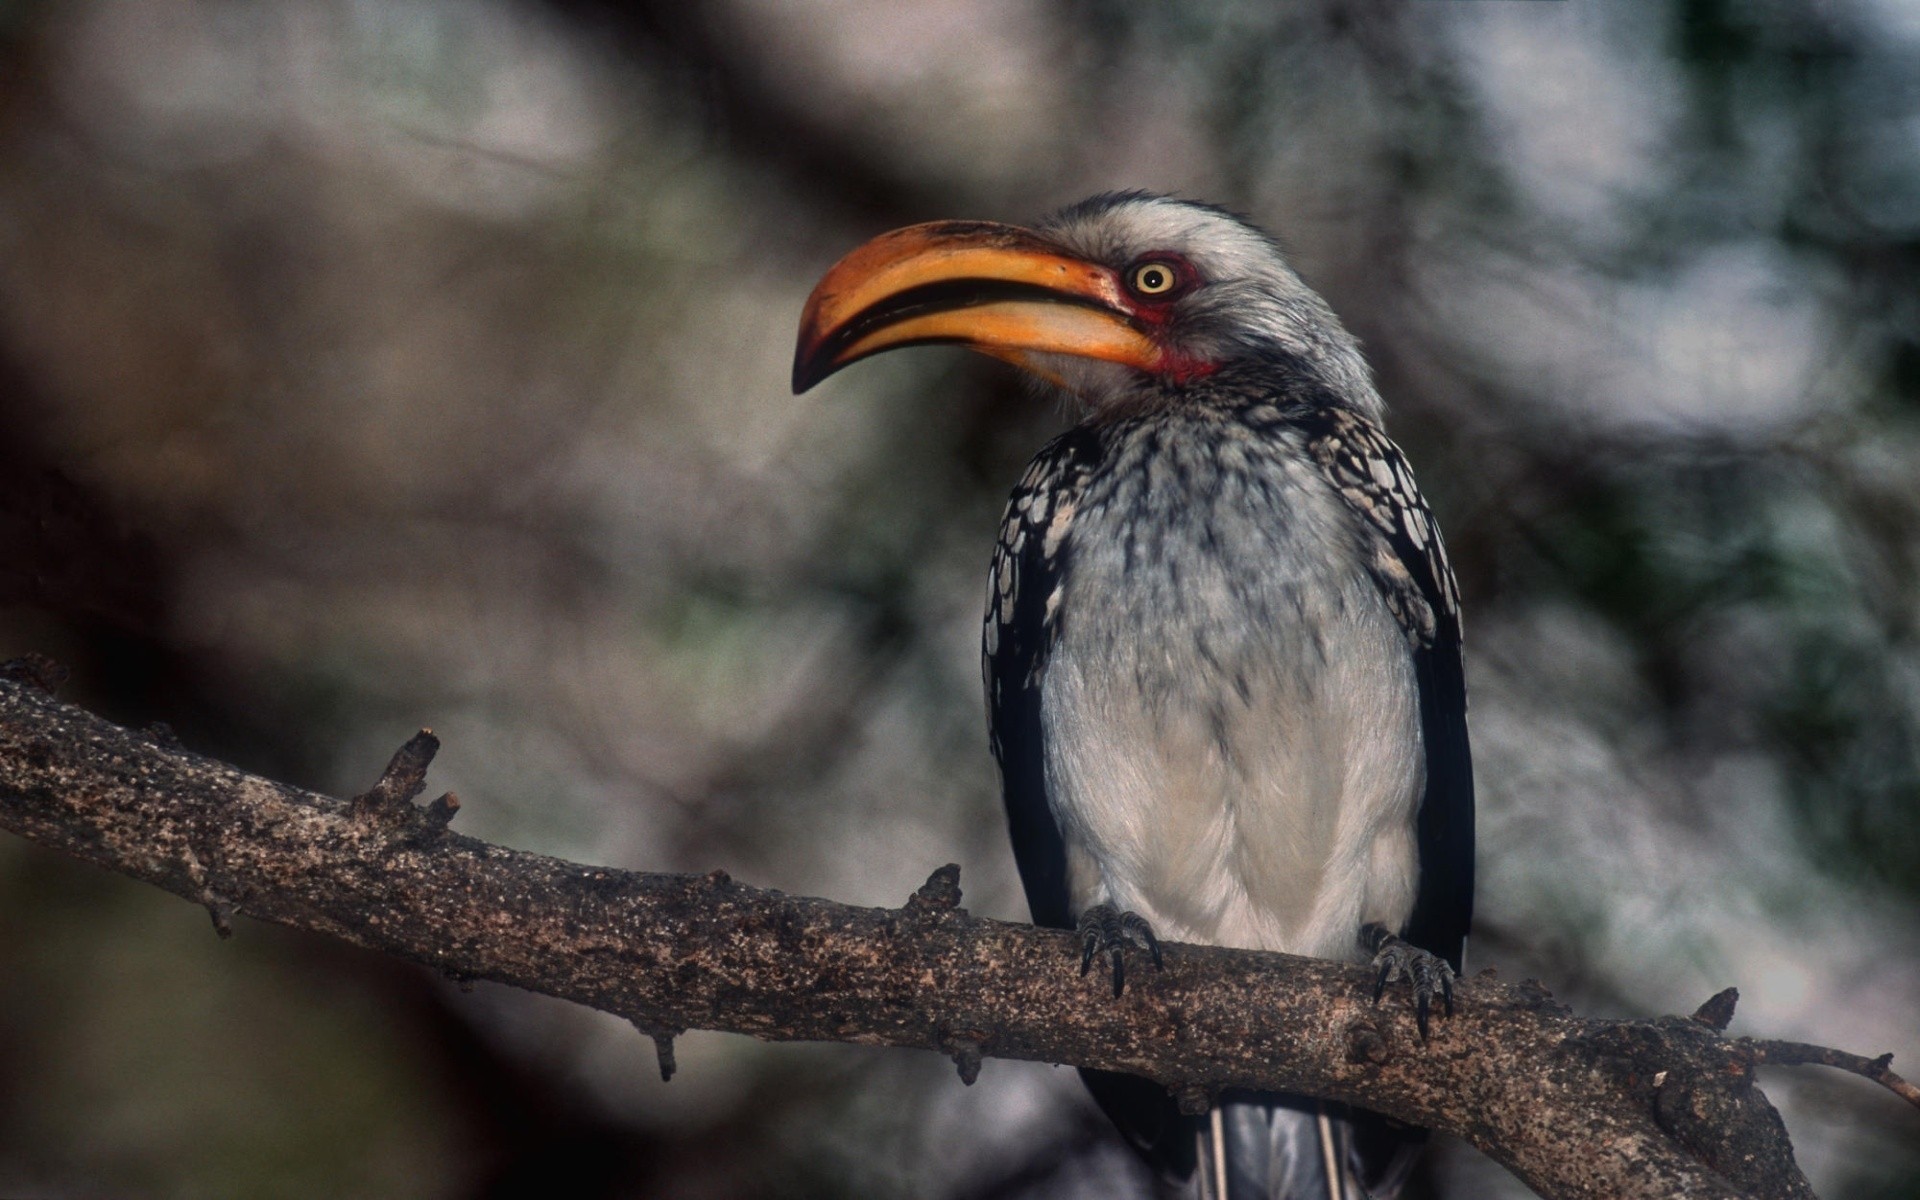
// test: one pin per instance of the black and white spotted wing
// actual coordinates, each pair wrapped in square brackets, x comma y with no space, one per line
[1023,619]
[1409,562]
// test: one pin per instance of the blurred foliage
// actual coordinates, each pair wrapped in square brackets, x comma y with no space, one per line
[371,366]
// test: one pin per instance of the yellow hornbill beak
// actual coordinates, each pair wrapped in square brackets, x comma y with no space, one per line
[999,289]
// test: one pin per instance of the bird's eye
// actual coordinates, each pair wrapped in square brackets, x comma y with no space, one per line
[1153,278]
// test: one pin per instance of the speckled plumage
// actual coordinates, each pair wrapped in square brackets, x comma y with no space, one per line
[1254,558]
[1222,654]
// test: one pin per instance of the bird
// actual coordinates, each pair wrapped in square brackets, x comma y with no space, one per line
[1222,646]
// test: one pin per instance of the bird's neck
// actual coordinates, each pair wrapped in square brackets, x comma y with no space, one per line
[1273,378]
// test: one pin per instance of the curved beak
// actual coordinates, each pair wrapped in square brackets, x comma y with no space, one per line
[999,289]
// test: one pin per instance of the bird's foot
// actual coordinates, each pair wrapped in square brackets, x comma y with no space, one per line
[1427,973]
[1107,930]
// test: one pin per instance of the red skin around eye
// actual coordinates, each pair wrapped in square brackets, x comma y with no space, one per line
[1156,308]
[1156,311]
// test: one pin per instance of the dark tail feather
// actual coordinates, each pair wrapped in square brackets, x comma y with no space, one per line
[1281,1152]
[1264,1147]
[1295,1148]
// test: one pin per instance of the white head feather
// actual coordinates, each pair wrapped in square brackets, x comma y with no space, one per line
[1249,302]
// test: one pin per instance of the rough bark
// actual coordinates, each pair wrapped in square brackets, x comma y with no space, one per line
[1575,1107]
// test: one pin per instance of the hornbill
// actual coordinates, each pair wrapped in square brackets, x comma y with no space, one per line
[1222,641]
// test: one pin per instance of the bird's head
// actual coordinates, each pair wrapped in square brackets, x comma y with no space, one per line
[1127,301]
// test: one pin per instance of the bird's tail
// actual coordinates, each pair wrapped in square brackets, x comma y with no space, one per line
[1293,1148]
[1259,1145]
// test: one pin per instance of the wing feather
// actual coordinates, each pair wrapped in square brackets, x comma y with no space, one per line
[1409,562]
[1023,619]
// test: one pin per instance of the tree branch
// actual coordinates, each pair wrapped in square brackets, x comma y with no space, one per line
[1576,1108]
[1767,1052]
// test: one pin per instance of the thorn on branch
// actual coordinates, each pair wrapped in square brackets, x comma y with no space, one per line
[662,1046]
[36,671]
[218,909]
[940,893]
[1534,995]
[404,778]
[441,811]
[966,1057]
[1717,1013]
[965,1045]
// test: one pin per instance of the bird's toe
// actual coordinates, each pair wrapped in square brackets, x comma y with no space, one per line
[1427,974]
[1107,930]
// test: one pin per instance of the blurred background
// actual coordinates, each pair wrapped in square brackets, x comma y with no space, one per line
[370,365]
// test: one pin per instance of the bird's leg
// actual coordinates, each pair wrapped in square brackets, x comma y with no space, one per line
[1425,971]
[1107,930]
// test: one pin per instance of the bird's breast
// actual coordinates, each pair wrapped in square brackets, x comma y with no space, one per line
[1230,710]
[1228,546]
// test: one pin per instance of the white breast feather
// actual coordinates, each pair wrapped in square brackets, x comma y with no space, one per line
[1213,763]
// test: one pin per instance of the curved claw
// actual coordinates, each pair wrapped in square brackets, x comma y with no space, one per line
[1428,973]
[1106,930]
